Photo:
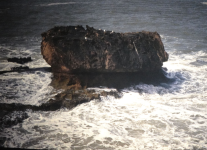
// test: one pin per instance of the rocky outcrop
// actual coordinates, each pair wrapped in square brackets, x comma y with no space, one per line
[75,49]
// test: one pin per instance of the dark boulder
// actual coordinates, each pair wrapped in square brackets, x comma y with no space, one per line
[75,49]
[20,60]
[19,68]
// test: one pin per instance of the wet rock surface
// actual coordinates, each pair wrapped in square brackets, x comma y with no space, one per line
[74,49]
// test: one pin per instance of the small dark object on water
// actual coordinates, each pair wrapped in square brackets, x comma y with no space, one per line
[20,60]
[19,68]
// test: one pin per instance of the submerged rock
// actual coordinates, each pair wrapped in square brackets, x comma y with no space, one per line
[75,49]
[12,118]
[19,68]
[20,60]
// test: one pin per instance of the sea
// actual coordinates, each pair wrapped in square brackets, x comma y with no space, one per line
[147,116]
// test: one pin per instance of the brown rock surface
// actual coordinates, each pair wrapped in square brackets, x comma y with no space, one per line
[75,49]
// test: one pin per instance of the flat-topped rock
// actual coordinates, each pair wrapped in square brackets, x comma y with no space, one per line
[75,49]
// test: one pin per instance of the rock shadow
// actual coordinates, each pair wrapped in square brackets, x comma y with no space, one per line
[81,88]
[117,81]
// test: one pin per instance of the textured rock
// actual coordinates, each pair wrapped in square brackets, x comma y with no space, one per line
[74,49]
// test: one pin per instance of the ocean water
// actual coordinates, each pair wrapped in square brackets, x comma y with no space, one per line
[164,116]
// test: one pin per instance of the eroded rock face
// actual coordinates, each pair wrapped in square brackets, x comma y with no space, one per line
[75,49]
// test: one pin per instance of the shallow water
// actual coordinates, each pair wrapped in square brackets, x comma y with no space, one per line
[165,115]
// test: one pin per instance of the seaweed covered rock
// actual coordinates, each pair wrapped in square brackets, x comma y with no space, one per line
[75,49]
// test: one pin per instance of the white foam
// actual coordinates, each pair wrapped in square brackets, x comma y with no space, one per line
[204,3]
[26,88]
[155,118]
[134,121]
[54,4]
[102,89]
[164,116]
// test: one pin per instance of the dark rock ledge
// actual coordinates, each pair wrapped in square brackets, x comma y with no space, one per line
[20,60]
[74,49]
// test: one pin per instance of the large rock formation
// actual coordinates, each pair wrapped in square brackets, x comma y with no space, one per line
[74,49]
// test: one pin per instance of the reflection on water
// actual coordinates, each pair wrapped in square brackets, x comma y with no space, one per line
[80,88]
[110,80]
